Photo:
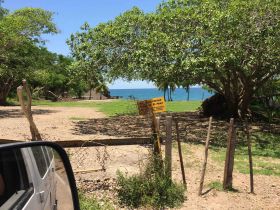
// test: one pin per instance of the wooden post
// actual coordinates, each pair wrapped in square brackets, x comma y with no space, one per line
[158,130]
[180,154]
[227,184]
[156,138]
[205,157]
[158,125]
[26,109]
[250,156]
[168,145]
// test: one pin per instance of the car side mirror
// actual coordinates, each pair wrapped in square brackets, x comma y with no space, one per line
[36,175]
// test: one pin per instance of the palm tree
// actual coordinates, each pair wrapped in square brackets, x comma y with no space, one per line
[163,86]
[172,88]
[186,85]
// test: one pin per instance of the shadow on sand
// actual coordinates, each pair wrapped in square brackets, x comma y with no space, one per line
[16,113]
[125,126]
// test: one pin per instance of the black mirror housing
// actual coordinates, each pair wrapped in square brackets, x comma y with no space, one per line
[32,161]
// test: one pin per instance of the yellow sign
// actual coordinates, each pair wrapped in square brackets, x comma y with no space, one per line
[158,105]
[154,105]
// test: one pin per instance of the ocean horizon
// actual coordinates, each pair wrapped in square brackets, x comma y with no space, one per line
[196,94]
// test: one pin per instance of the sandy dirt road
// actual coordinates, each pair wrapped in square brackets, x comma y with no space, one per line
[54,123]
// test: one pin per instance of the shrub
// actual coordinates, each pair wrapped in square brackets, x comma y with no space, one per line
[152,188]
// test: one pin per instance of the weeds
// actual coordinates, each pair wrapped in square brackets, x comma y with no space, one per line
[91,203]
[151,188]
[216,185]
[78,118]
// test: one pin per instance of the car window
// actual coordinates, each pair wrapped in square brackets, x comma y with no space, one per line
[40,160]
[14,183]
[46,156]
[50,152]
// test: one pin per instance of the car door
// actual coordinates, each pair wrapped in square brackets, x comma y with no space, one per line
[45,174]
[51,167]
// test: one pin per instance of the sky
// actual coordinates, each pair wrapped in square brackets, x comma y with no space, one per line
[70,15]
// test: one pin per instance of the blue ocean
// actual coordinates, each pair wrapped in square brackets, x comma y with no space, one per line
[196,93]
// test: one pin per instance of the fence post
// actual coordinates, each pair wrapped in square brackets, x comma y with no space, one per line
[156,138]
[26,109]
[180,154]
[158,129]
[227,184]
[205,157]
[168,146]
[250,156]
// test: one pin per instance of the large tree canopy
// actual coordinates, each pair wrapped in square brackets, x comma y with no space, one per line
[20,35]
[231,46]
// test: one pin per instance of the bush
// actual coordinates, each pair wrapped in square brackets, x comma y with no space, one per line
[152,188]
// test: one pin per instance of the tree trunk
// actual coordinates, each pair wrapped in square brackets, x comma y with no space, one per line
[238,105]
[4,91]
[245,102]
[90,94]
[170,92]
[232,107]
[3,100]
[188,93]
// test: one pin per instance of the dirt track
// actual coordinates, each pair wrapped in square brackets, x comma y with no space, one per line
[54,123]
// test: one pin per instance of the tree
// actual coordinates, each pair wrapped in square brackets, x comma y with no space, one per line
[186,85]
[20,33]
[231,46]
[51,73]
[88,67]
[237,49]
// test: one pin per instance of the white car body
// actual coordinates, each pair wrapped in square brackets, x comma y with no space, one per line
[35,166]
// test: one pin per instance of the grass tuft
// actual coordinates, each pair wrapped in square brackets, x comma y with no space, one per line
[91,203]
[216,185]
[78,118]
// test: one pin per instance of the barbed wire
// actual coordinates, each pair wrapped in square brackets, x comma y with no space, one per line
[82,154]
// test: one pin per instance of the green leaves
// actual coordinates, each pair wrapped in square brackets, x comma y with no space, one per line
[231,46]
[20,34]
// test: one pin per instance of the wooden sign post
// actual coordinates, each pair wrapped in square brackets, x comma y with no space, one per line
[151,107]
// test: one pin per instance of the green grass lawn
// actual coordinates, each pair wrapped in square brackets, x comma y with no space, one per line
[120,107]
[182,106]
[265,153]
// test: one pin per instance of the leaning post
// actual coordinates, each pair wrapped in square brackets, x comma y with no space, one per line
[205,158]
[26,109]
[228,170]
